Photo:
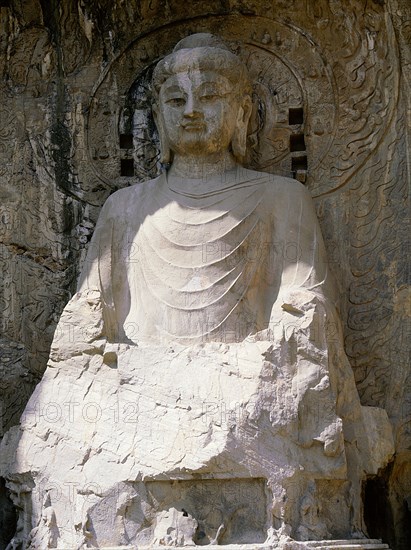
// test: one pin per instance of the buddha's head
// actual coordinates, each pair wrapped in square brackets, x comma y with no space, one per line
[202,99]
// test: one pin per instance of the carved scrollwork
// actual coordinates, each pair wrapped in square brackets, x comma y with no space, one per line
[319,106]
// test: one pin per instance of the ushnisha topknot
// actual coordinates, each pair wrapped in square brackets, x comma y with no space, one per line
[202,51]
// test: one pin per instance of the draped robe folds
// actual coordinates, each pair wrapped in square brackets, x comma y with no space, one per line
[174,267]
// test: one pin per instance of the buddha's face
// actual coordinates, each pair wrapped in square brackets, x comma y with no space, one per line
[199,112]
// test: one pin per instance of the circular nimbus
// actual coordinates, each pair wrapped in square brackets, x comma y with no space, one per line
[304,124]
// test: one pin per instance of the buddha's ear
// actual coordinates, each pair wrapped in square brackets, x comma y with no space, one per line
[165,152]
[239,141]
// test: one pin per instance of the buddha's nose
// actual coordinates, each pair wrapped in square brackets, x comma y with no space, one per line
[191,108]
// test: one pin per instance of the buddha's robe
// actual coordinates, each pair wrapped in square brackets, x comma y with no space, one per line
[193,268]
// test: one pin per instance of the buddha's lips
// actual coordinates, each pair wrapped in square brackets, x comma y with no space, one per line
[193,126]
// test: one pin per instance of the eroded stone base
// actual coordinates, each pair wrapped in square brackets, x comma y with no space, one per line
[360,544]
[213,444]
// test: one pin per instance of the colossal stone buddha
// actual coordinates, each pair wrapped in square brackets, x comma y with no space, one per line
[204,251]
[205,303]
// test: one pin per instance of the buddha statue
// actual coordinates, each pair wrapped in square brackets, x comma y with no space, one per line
[207,395]
[205,251]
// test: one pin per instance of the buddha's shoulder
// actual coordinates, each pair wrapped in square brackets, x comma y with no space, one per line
[122,199]
[278,185]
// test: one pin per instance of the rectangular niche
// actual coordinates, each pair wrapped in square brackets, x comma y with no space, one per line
[299,163]
[240,505]
[297,142]
[127,167]
[295,116]
[126,141]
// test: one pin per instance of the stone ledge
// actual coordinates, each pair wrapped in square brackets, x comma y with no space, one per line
[355,544]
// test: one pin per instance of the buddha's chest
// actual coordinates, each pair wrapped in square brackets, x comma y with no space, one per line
[210,242]
[198,267]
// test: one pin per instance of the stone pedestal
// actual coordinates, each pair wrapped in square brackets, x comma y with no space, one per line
[354,544]
[210,444]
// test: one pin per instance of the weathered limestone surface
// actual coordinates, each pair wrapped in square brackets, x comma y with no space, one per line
[56,175]
[249,439]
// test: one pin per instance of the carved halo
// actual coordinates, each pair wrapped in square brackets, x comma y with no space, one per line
[301,123]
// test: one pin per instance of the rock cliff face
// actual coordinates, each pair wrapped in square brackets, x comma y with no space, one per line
[76,125]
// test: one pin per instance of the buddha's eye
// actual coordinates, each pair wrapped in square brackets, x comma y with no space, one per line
[176,101]
[209,97]
[209,92]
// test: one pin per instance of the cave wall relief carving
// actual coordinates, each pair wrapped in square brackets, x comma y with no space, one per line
[313,118]
[331,86]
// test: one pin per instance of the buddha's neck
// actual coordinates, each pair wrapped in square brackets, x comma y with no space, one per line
[202,168]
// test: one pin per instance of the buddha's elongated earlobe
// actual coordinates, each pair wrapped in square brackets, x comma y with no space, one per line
[239,141]
[165,152]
